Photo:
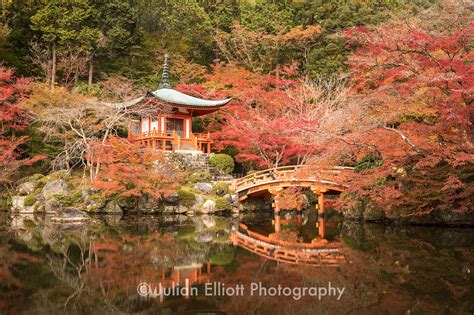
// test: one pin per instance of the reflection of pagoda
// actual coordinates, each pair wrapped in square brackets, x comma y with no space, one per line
[181,276]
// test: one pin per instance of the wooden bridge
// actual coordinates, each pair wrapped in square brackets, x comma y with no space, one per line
[287,252]
[275,179]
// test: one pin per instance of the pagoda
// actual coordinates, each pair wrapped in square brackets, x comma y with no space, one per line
[169,127]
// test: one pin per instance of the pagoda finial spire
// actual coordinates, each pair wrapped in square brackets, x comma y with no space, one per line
[165,80]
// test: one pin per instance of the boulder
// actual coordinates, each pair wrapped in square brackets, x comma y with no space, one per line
[208,221]
[54,188]
[172,199]
[205,188]
[52,206]
[27,188]
[93,202]
[181,209]
[209,206]
[18,205]
[113,208]
[169,209]
[199,201]
[204,237]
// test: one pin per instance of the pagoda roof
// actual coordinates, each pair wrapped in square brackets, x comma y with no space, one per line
[167,94]
[178,98]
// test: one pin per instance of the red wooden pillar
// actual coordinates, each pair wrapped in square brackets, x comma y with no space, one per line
[321,203]
[277,222]
[322,228]
[208,147]
[129,130]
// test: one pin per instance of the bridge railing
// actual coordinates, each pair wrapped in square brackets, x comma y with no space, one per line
[282,173]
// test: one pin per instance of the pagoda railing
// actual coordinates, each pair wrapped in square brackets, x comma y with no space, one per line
[200,141]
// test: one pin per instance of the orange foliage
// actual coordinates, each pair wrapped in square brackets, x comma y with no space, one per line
[129,170]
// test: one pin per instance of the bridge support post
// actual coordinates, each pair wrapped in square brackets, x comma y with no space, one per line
[277,222]
[321,228]
[321,204]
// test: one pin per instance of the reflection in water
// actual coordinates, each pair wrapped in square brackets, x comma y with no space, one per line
[51,268]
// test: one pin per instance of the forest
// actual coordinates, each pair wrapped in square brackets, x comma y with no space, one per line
[383,86]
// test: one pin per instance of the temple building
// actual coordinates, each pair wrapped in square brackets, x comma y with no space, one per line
[171,129]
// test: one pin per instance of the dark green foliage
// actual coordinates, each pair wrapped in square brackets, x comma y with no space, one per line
[222,162]
[186,198]
[369,161]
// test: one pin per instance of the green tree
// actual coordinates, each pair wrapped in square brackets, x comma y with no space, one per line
[64,25]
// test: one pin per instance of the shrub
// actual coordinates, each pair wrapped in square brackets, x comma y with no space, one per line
[29,201]
[222,162]
[199,177]
[186,198]
[222,204]
[220,189]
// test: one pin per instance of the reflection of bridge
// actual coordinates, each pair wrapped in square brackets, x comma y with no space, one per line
[317,254]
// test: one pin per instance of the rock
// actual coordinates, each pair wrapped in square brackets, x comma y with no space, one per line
[205,188]
[228,228]
[209,206]
[129,203]
[203,237]
[93,202]
[27,188]
[112,219]
[70,216]
[55,187]
[169,209]
[199,201]
[208,221]
[52,206]
[113,208]
[172,199]
[18,204]
[198,225]
[220,234]
[190,213]
[181,209]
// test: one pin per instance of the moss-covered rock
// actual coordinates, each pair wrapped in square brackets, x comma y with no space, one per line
[29,201]
[223,204]
[199,177]
[186,198]
[220,189]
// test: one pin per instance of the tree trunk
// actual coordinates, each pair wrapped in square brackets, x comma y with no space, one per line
[91,72]
[48,75]
[53,67]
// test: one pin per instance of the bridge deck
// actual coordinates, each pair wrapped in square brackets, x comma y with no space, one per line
[287,176]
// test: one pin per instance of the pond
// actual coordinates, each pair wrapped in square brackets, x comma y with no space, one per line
[230,265]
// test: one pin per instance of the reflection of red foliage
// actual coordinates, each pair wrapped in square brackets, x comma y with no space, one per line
[14,121]
[11,286]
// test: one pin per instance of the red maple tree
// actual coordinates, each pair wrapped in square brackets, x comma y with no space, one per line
[14,123]
[129,170]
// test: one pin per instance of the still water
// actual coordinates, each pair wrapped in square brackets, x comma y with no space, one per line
[224,265]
